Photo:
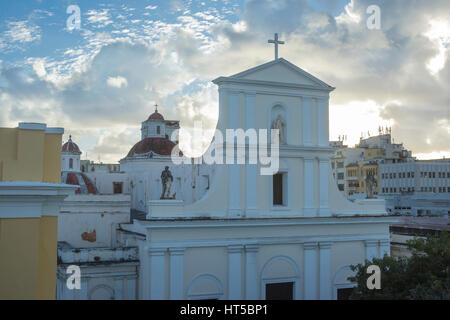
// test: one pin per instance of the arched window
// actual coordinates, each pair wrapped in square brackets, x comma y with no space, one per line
[205,287]
[280,279]
[71,163]
[342,287]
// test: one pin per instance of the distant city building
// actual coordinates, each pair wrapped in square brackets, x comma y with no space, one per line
[418,187]
[409,186]
[91,166]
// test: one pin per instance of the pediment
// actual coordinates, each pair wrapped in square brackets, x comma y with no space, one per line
[281,71]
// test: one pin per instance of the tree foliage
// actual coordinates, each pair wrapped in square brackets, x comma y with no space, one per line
[424,275]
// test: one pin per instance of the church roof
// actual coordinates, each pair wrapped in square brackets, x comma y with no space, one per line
[269,74]
[160,146]
[79,179]
[156,116]
[70,146]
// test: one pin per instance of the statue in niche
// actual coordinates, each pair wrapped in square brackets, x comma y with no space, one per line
[371,184]
[279,124]
[166,180]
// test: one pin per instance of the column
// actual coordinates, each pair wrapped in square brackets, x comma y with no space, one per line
[235,272]
[250,209]
[234,206]
[118,289]
[157,273]
[83,293]
[306,121]
[234,192]
[371,249]
[233,115]
[385,247]
[324,210]
[322,122]
[325,270]
[131,289]
[310,266]
[308,187]
[176,273]
[251,272]
[144,274]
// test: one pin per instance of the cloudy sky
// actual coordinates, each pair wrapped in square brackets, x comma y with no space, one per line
[99,81]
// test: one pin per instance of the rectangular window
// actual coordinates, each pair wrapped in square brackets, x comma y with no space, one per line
[280,291]
[117,186]
[158,130]
[340,165]
[340,175]
[278,189]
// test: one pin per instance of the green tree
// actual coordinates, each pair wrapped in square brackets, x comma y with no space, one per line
[424,275]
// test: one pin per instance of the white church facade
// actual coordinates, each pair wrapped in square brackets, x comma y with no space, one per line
[251,236]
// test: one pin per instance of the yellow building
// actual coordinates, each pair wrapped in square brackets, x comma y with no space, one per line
[356,175]
[30,194]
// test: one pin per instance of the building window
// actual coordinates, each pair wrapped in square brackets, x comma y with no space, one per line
[70,163]
[280,291]
[340,175]
[117,186]
[278,189]
[158,130]
[341,187]
[340,165]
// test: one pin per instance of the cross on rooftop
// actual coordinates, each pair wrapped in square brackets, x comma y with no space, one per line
[156,107]
[276,42]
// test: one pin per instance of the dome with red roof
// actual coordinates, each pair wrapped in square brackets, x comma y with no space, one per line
[79,179]
[156,116]
[70,146]
[159,146]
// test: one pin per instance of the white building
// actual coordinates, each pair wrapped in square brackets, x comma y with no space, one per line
[148,158]
[87,234]
[417,187]
[292,235]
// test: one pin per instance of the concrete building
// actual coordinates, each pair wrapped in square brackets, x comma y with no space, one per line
[417,187]
[30,196]
[366,155]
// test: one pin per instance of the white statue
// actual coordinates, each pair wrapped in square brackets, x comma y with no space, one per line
[371,184]
[280,125]
[166,179]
